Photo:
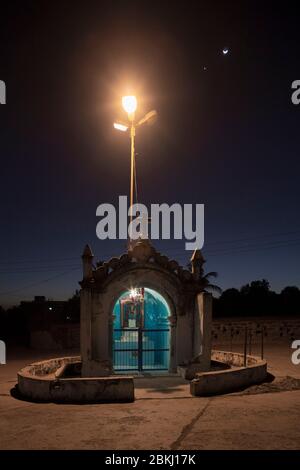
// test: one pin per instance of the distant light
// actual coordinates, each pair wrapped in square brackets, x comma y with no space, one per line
[120,127]
[50,308]
[225,51]
[129,104]
[133,293]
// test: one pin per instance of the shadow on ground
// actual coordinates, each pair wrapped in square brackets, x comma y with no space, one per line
[273,385]
[15,393]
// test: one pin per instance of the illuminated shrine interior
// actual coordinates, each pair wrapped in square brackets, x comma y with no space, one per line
[141,331]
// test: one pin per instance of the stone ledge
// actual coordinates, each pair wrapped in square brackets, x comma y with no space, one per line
[229,380]
[48,387]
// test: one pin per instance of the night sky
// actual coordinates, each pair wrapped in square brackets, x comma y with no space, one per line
[227,134]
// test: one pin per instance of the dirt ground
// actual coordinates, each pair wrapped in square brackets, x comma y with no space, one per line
[163,416]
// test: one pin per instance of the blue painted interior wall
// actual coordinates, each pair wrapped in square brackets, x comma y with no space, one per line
[156,313]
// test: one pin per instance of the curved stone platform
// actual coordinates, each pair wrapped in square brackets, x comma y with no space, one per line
[59,380]
[235,378]
[49,380]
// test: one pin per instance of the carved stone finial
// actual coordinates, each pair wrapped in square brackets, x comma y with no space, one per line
[197,262]
[87,264]
[87,252]
[197,256]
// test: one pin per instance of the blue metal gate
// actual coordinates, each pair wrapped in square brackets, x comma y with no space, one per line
[139,349]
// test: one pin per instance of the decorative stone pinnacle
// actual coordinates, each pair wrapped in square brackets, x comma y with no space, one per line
[197,256]
[87,252]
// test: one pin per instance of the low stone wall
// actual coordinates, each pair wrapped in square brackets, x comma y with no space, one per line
[229,331]
[232,330]
[49,366]
[39,382]
[230,380]
[235,359]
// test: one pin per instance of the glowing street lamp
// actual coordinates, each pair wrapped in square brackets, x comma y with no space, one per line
[129,104]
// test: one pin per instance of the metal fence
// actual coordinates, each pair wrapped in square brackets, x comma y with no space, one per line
[245,339]
[138,349]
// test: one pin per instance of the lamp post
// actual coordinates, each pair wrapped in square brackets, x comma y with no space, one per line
[129,104]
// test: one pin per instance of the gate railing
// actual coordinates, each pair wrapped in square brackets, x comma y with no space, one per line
[141,349]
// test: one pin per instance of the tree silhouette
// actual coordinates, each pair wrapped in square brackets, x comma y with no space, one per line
[290,300]
[257,299]
[207,285]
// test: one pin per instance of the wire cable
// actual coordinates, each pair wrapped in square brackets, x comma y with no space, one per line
[13,291]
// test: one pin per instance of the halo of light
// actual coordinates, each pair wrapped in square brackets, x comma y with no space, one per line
[129,103]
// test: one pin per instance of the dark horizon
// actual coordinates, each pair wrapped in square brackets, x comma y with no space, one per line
[227,135]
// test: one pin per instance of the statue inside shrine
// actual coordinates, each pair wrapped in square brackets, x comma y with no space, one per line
[132,309]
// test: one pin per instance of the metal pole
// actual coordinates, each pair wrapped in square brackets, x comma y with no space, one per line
[250,341]
[245,346]
[132,135]
[140,349]
[262,341]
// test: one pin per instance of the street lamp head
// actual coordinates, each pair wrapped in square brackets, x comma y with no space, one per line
[149,118]
[120,127]
[129,104]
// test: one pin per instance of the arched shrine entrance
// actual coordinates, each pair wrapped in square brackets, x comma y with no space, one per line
[141,331]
